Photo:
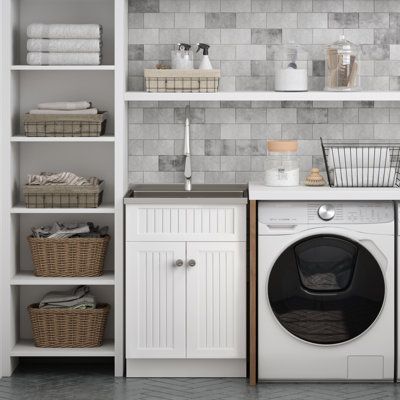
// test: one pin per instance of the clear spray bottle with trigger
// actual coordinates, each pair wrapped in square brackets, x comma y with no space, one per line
[182,58]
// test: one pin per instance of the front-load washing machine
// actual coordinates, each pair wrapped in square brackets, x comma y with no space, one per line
[326,291]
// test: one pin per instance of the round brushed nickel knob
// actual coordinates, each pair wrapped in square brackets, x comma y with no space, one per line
[179,263]
[326,212]
[191,263]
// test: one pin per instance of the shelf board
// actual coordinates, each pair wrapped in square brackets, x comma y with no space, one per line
[62,68]
[265,96]
[26,348]
[99,139]
[103,209]
[260,192]
[26,278]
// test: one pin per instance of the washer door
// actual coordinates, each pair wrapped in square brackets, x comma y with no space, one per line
[326,289]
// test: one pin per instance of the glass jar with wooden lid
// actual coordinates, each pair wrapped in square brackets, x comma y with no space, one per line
[282,164]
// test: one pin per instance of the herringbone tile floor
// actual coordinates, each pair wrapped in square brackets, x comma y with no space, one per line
[38,382]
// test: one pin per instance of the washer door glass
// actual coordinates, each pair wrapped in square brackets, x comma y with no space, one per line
[326,289]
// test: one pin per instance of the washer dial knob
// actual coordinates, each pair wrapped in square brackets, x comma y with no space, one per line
[326,212]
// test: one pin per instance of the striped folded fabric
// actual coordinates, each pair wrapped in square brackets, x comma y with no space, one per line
[62,178]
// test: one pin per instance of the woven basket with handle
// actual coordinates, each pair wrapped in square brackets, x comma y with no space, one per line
[68,256]
[64,327]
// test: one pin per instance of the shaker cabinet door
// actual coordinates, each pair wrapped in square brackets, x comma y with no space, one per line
[216,300]
[155,300]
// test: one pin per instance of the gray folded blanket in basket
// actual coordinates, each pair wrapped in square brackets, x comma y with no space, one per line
[65,105]
[78,299]
[62,178]
[61,231]
[88,111]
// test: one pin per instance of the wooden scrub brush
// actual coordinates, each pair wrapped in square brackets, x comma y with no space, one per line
[315,178]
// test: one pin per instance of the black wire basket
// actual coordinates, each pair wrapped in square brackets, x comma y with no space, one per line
[362,163]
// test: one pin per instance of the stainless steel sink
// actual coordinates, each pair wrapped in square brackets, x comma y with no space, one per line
[198,191]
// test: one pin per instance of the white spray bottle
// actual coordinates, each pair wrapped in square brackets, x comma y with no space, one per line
[205,62]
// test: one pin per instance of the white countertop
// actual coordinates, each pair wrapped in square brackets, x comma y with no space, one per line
[258,191]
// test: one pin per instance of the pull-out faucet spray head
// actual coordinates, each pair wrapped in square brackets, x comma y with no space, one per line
[188,166]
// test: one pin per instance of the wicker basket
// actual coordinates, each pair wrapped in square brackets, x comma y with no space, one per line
[178,80]
[63,196]
[59,125]
[65,327]
[68,256]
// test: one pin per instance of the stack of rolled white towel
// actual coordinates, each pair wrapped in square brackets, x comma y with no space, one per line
[64,44]
[65,107]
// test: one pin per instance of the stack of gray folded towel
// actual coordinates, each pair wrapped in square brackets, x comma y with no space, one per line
[64,44]
[79,298]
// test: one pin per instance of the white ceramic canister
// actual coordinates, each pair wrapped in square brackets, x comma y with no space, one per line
[282,165]
[290,64]
[291,80]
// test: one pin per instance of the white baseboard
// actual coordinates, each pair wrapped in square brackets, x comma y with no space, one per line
[180,368]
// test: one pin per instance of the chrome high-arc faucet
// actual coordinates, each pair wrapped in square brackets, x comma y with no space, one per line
[188,166]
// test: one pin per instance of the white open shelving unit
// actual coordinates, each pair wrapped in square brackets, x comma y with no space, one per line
[105,157]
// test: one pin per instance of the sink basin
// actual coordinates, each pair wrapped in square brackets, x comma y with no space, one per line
[198,191]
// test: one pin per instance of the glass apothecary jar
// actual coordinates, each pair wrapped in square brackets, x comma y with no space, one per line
[282,164]
[342,66]
[291,69]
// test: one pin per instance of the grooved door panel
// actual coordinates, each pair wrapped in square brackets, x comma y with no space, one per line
[155,300]
[216,300]
[189,223]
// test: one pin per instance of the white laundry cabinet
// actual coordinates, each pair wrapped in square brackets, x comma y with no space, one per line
[185,290]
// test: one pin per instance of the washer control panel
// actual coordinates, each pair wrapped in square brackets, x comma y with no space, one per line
[346,212]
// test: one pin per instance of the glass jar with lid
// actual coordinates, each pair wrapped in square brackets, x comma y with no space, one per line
[342,66]
[282,164]
[290,62]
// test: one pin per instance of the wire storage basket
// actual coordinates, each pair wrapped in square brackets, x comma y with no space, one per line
[362,163]
[59,125]
[64,196]
[182,81]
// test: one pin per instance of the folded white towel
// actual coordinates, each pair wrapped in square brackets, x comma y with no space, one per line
[65,45]
[63,58]
[64,31]
[361,177]
[65,105]
[88,111]
[359,157]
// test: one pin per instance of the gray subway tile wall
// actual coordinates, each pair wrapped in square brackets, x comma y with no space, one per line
[229,144]
[228,138]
